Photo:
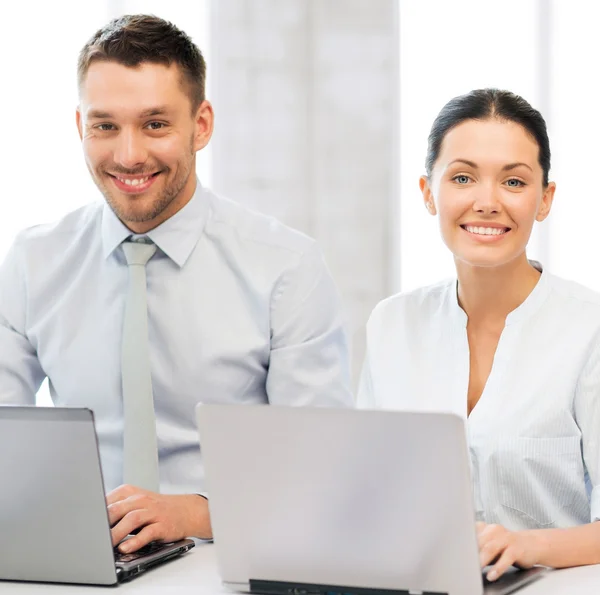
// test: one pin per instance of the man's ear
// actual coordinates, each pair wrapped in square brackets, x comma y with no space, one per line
[205,120]
[79,123]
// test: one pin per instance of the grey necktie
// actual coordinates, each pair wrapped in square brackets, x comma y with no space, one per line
[140,452]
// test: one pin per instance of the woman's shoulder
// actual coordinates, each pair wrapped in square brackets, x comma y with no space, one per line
[572,310]
[416,304]
[575,294]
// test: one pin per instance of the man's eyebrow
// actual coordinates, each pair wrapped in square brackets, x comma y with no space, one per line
[98,114]
[160,110]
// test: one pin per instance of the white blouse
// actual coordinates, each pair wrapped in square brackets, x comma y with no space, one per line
[534,435]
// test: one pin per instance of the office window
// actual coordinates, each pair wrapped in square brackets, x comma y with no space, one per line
[575,138]
[446,49]
[544,50]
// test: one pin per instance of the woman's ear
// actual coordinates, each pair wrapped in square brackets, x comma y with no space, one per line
[427,195]
[546,202]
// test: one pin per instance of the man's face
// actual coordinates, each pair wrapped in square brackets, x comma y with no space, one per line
[140,139]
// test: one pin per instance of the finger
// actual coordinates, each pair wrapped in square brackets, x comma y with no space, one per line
[490,551]
[486,535]
[480,526]
[502,565]
[120,493]
[144,537]
[491,533]
[132,520]
[118,510]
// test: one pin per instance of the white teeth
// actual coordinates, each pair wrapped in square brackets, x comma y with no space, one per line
[486,231]
[134,182]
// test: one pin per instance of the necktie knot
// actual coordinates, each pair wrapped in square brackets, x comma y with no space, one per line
[138,253]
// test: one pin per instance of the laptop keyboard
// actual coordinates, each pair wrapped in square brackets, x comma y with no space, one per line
[146,550]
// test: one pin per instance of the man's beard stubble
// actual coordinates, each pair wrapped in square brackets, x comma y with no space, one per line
[170,192]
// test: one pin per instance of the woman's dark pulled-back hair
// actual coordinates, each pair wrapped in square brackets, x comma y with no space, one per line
[486,104]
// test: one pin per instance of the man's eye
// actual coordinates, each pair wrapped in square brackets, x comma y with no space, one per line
[156,125]
[105,127]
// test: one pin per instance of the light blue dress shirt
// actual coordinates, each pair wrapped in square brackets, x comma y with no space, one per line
[241,309]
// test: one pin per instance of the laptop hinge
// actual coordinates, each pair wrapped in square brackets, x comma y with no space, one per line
[286,588]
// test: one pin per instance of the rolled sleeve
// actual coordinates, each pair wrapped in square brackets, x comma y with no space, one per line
[595,504]
[20,372]
[309,360]
[367,398]
[587,415]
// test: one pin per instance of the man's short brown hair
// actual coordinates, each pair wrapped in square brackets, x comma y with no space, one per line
[134,39]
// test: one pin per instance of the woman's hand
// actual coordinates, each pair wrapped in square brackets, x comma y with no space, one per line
[504,548]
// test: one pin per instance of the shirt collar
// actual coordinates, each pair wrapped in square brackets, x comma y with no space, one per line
[534,300]
[176,237]
[531,304]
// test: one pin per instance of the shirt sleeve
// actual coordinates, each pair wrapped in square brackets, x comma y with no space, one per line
[587,415]
[309,360]
[366,398]
[20,371]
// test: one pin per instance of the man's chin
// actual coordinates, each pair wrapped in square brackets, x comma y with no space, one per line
[138,215]
[134,210]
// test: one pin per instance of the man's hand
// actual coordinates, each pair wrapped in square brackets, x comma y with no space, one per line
[504,548]
[159,517]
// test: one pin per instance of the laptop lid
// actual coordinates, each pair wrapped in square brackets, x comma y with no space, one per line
[364,499]
[53,518]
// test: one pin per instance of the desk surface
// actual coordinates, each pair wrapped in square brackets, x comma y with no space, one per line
[196,573]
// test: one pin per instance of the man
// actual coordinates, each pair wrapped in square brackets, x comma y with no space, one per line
[164,295]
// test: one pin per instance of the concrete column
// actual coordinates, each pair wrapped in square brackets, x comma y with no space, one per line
[305,95]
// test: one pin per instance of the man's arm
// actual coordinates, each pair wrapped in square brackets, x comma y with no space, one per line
[309,363]
[20,371]
[159,517]
[308,366]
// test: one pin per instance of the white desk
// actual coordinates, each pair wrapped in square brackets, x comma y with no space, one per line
[196,573]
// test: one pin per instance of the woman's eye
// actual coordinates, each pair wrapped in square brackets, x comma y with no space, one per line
[461,179]
[513,183]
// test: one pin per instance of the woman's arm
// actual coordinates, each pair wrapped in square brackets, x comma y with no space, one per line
[557,548]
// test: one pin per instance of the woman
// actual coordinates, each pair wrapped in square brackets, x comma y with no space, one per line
[507,344]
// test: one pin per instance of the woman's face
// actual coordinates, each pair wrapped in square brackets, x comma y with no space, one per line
[487,188]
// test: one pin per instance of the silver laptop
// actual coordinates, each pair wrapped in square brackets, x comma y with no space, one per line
[53,519]
[308,501]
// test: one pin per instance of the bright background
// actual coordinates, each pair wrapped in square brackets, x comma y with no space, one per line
[323,110]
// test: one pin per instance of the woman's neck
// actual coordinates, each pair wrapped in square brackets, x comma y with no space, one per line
[489,294]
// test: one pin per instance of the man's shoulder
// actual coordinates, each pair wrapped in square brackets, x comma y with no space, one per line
[251,228]
[65,229]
